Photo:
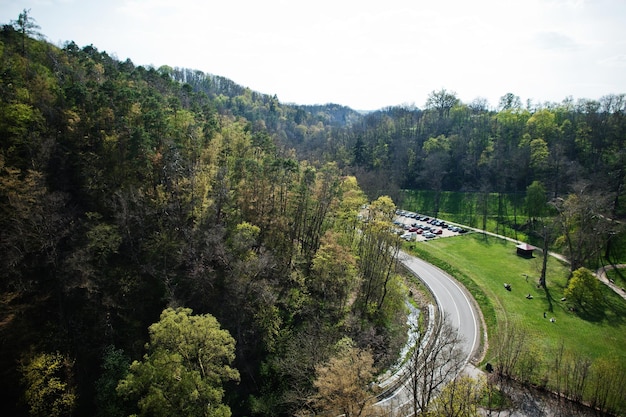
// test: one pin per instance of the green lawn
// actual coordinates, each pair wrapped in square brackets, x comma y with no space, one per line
[487,263]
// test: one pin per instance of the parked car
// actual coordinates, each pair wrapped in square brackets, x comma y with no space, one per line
[408,236]
[429,235]
[437,231]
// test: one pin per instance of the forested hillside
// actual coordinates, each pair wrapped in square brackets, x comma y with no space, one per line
[453,146]
[125,190]
[138,205]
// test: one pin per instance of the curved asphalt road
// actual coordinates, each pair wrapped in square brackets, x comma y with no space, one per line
[452,300]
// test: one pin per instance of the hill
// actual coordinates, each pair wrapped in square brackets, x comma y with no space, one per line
[125,190]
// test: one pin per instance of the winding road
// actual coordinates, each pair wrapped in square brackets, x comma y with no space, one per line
[453,301]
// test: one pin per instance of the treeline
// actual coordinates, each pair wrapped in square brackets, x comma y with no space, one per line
[125,190]
[448,145]
[454,146]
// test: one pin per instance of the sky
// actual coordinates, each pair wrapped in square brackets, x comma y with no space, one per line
[363,54]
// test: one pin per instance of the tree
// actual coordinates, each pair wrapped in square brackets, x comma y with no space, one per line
[542,125]
[377,251]
[536,206]
[510,346]
[342,381]
[334,274]
[583,224]
[547,236]
[435,361]
[510,101]
[608,376]
[188,359]
[536,202]
[459,398]
[26,26]
[442,101]
[539,154]
[114,368]
[49,392]
[583,288]
[435,169]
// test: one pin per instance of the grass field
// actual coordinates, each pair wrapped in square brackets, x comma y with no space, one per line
[489,262]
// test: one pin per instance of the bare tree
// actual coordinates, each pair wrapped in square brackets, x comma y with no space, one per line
[584,224]
[442,101]
[577,372]
[608,376]
[437,359]
[510,346]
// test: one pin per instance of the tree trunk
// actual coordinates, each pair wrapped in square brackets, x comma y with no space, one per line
[544,264]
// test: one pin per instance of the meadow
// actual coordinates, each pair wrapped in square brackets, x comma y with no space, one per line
[485,263]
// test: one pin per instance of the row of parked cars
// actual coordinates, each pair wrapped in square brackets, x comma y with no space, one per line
[411,225]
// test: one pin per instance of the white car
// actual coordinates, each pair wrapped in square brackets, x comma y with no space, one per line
[409,236]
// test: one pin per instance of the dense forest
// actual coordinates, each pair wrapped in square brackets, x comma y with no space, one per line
[448,145]
[125,191]
[137,200]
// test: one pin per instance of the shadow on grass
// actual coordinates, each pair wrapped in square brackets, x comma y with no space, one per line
[591,313]
[612,310]
[615,310]
[549,299]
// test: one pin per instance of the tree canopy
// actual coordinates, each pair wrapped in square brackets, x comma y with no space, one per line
[187,363]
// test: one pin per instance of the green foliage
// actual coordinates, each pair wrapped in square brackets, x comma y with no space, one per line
[535,200]
[459,397]
[584,289]
[115,366]
[49,390]
[187,362]
[334,275]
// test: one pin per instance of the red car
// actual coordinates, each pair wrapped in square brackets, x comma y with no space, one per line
[438,231]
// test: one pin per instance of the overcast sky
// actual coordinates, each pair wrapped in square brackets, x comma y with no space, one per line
[363,54]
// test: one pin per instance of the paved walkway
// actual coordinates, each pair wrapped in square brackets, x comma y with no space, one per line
[601,274]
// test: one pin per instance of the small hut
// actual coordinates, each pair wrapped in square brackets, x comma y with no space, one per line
[525,250]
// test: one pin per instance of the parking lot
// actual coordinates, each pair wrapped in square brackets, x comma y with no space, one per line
[415,227]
